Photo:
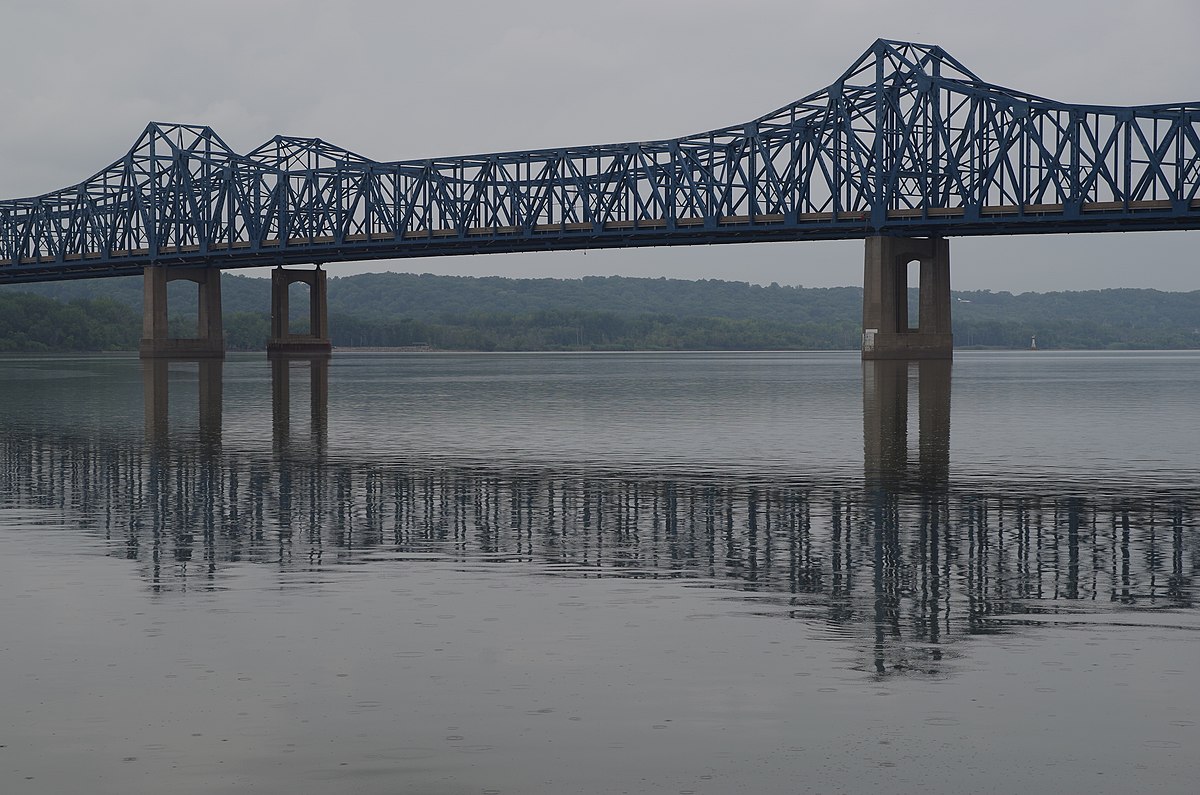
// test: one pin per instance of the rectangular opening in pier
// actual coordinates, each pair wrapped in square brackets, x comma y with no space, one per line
[912,293]
[299,308]
[183,309]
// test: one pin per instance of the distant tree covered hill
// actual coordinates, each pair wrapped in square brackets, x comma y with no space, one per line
[496,313]
[428,296]
[1112,318]
[35,323]
[425,296]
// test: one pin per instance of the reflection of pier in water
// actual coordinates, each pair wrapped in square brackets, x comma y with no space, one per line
[156,392]
[156,396]
[318,400]
[885,423]
[905,561]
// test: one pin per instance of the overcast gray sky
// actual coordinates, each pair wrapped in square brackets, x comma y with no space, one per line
[399,80]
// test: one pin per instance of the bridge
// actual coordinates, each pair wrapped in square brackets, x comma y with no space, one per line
[906,149]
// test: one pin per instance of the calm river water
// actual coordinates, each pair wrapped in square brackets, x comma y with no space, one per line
[644,573]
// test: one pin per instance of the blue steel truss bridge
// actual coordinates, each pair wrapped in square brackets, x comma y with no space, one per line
[905,149]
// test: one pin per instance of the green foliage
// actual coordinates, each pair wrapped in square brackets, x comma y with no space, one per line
[556,330]
[32,323]
[593,313]
[246,331]
[428,297]
[1097,319]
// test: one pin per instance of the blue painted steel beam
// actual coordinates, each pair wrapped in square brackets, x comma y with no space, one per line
[906,142]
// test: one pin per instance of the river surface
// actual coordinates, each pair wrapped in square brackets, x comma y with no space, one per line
[604,573]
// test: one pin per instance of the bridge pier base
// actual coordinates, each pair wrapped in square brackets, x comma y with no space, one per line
[886,332]
[156,342]
[285,344]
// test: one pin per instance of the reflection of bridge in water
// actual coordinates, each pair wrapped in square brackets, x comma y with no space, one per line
[902,559]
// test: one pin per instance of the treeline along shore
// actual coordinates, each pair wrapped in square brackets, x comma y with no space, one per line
[396,310]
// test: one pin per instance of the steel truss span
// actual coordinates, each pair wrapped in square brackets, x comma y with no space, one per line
[906,142]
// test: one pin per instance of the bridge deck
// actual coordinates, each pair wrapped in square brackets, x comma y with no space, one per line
[1031,219]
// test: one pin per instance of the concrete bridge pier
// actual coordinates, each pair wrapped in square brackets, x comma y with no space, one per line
[886,330]
[283,343]
[156,340]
